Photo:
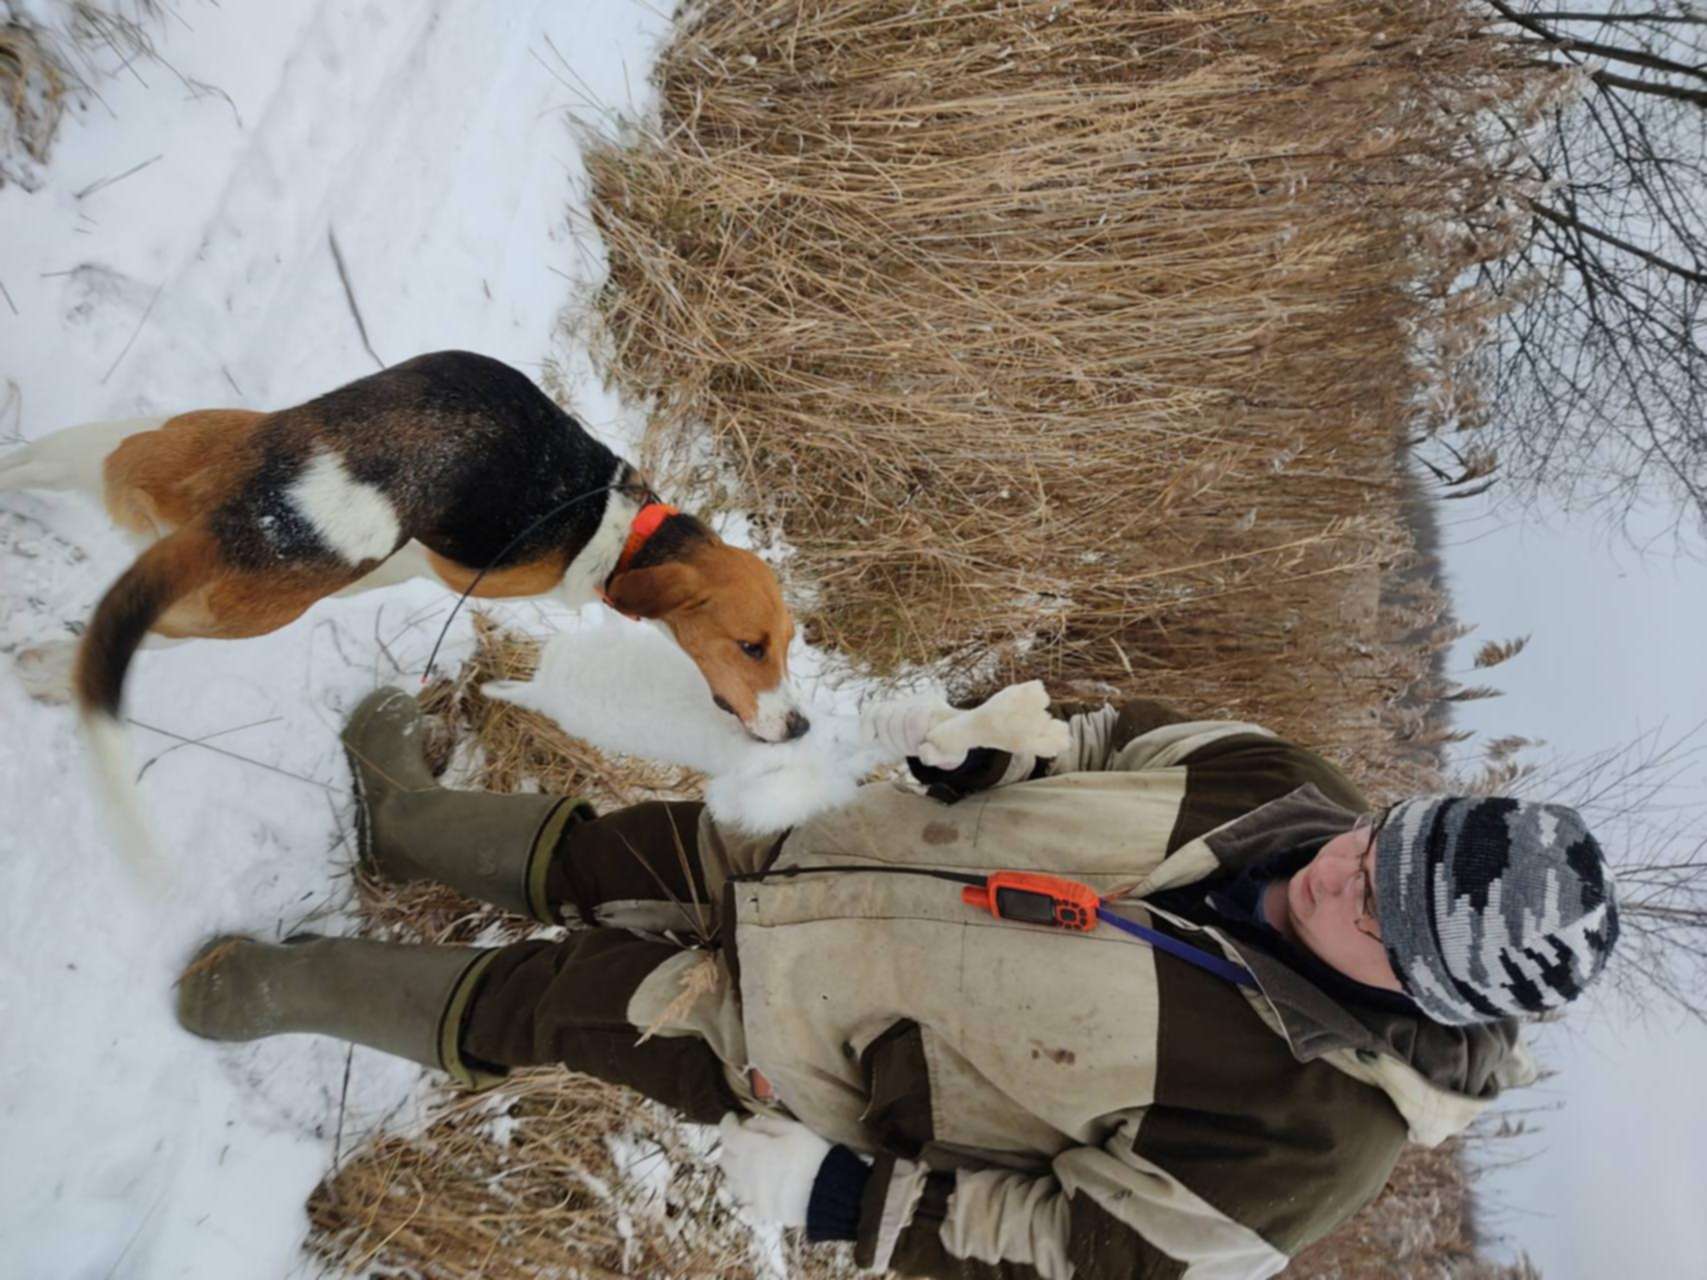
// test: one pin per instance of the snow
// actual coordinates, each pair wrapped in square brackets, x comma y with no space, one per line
[429,137]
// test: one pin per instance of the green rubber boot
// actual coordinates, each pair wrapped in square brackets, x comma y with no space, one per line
[403,1000]
[489,846]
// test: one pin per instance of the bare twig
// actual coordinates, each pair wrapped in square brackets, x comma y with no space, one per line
[259,764]
[113,368]
[350,296]
[104,183]
[343,1102]
[196,742]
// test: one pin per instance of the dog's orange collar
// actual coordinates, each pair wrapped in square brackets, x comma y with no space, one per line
[646,522]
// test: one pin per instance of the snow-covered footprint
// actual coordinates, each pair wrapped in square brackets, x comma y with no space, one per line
[47,582]
[45,670]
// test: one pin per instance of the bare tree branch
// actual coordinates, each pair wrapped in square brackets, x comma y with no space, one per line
[1576,225]
[1596,385]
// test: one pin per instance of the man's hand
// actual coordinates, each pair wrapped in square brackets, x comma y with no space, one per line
[771,1164]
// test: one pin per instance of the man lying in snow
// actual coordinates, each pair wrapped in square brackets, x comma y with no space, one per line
[966,1095]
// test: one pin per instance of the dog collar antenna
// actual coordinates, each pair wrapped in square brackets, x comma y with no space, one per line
[646,523]
[1067,904]
[513,543]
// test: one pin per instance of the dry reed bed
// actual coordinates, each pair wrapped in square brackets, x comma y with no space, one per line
[558,1175]
[1065,340]
[1060,340]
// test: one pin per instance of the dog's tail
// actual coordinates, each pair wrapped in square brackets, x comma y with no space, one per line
[164,574]
[23,469]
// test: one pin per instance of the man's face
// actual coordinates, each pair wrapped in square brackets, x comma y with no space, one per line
[1330,905]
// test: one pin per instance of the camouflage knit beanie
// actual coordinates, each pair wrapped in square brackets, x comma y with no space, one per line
[1490,907]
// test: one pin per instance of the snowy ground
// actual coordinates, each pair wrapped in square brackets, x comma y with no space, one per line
[429,136]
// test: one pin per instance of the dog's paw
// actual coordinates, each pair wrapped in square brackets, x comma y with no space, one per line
[45,671]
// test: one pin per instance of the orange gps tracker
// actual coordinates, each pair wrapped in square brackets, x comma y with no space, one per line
[1036,899]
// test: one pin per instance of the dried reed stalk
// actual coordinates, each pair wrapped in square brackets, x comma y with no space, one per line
[43,68]
[33,83]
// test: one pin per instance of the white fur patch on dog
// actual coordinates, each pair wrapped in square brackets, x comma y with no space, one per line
[585,578]
[355,520]
[625,687]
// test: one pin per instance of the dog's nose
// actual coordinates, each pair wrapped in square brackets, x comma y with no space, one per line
[797,726]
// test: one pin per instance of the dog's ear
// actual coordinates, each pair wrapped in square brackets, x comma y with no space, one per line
[664,589]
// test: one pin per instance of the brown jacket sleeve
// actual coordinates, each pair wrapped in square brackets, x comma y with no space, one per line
[1101,1213]
[1166,1196]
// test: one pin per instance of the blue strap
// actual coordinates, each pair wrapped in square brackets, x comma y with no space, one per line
[1220,966]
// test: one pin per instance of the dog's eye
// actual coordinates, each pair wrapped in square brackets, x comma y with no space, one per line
[754,651]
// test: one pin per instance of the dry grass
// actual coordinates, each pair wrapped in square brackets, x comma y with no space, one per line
[535,1182]
[1070,341]
[33,85]
[1075,341]
[44,69]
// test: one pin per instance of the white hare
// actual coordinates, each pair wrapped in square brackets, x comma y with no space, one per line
[623,687]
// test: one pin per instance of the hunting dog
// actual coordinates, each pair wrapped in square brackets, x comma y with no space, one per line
[452,466]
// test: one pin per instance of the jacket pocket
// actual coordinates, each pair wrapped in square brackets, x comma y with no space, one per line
[898,1086]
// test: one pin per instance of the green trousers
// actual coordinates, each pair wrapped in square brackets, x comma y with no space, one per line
[634,881]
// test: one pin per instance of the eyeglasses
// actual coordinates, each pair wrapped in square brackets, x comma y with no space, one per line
[1368,923]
